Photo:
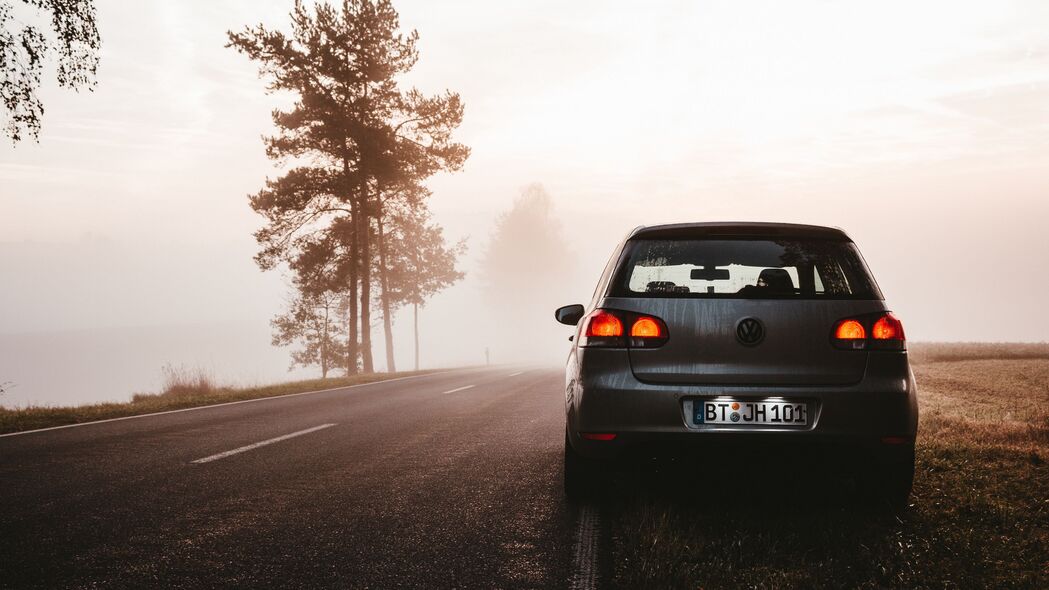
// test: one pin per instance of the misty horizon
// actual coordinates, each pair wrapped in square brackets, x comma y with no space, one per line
[132,211]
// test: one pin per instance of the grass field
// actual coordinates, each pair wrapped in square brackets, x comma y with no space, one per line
[979,516]
[182,389]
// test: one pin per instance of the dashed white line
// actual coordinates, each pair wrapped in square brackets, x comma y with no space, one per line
[270,441]
[457,389]
[515,374]
[584,562]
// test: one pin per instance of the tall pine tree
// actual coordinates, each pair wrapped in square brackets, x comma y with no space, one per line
[361,134]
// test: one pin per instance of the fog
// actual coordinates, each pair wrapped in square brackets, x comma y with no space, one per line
[125,233]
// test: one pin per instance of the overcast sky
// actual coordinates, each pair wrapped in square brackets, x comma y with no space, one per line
[920,128]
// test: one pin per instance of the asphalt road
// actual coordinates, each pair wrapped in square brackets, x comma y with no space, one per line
[445,480]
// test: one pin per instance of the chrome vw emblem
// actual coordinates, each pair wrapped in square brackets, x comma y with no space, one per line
[750,332]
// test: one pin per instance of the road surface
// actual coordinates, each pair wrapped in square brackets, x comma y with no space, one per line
[444,480]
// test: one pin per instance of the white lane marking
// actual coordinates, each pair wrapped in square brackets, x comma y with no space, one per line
[243,401]
[515,374]
[463,388]
[270,441]
[584,562]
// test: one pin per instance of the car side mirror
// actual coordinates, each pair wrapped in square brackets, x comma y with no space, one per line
[569,314]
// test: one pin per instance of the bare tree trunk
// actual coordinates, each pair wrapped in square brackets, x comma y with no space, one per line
[352,349]
[365,261]
[351,340]
[415,300]
[387,321]
[324,344]
[366,284]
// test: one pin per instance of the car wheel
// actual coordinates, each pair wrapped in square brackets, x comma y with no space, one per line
[582,476]
[894,477]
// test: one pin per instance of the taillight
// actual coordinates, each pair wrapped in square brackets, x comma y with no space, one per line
[602,328]
[887,327]
[850,330]
[880,331]
[647,332]
[603,324]
[606,328]
[646,327]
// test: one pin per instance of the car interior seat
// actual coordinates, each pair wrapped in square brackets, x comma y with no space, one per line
[777,280]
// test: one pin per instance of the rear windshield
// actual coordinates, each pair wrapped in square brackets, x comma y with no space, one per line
[744,268]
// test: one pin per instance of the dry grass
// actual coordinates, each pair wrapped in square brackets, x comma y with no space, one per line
[932,352]
[182,382]
[1002,404]
[979,518]
[183,388]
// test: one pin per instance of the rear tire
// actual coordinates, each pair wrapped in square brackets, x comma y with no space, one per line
[582,476]
[893,478]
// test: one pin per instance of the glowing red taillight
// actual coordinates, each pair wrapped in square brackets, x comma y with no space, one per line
[879,331]
[850,330]
[606,328]
[599,436]
[887,327]
[647,327]
[602,324]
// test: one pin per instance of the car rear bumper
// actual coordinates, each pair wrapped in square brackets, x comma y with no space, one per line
[880,410]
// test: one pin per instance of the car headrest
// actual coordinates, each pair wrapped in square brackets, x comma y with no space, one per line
[777,279]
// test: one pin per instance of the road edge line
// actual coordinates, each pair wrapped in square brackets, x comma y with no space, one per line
[242,401]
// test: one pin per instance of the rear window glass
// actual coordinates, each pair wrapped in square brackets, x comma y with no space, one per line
[744,268]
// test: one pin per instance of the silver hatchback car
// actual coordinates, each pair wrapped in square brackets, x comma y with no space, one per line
[700,336]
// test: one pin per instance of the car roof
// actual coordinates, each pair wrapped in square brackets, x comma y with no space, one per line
[736,229]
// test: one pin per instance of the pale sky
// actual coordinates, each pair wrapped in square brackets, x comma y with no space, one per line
[922,129]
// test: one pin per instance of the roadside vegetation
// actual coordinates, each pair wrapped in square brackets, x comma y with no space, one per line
[183,388]
[979,516]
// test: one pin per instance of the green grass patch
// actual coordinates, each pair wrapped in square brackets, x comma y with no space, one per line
[181,391]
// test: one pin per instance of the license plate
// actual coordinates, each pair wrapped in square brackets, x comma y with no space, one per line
[749,413]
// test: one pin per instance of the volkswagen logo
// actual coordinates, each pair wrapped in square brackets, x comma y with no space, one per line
[750,332]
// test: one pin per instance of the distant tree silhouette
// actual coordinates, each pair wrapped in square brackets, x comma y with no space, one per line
[524,267]
[526,249]
[364,139]
[24,48]
[418,264]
